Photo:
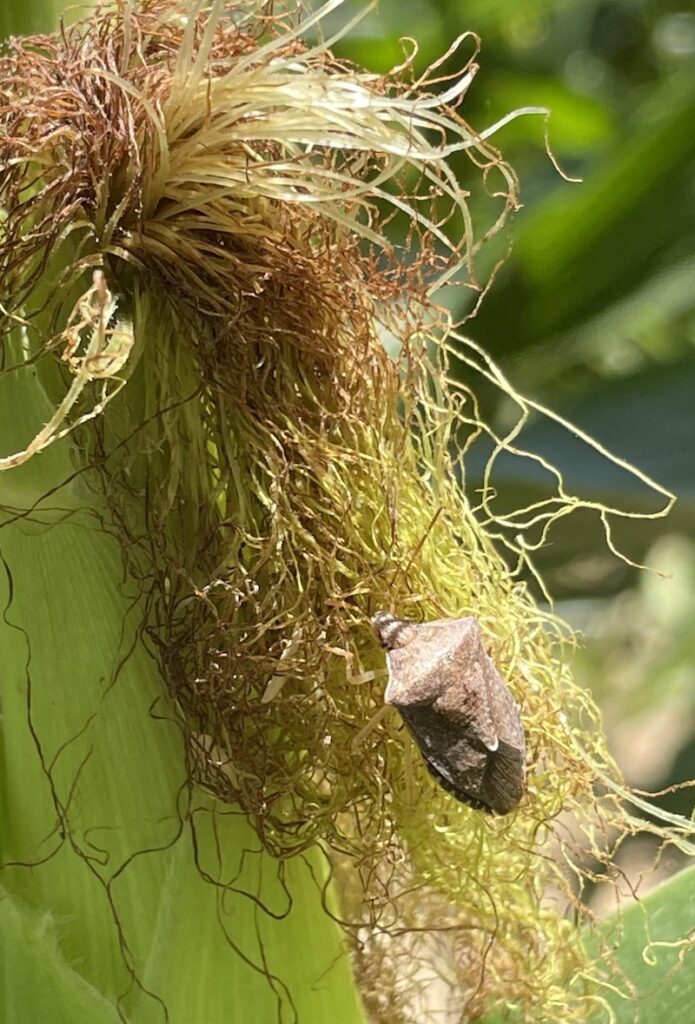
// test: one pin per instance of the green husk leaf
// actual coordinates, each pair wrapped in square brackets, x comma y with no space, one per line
[99,826]
[37,982]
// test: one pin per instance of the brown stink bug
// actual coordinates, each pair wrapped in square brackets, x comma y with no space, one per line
[457,707]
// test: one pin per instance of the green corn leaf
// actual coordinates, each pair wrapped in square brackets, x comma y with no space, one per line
[655,968]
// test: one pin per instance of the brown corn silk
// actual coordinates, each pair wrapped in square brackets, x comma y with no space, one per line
[287,456]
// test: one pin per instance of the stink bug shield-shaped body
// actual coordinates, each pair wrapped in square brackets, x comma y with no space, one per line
[457,707]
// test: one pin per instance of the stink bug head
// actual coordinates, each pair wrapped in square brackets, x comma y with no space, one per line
[393,632]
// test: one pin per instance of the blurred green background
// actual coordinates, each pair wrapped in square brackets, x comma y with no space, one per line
[594,315]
